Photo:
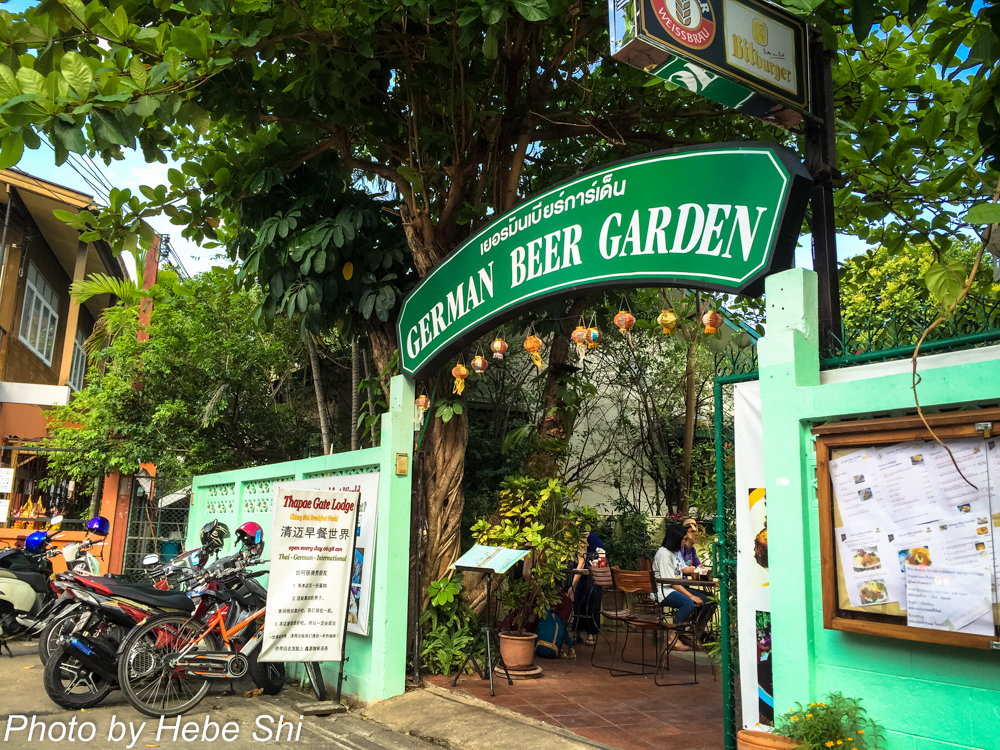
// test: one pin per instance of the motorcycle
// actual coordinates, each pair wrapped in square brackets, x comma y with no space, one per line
[166,664]
[82,671]
[31,600]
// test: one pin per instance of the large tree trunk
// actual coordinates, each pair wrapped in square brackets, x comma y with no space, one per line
[443,471]
[317,373]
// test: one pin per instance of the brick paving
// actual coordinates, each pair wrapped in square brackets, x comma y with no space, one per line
[629,712]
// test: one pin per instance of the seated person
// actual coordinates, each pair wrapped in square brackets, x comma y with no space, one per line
[668,563]
[585,595]
[689,551]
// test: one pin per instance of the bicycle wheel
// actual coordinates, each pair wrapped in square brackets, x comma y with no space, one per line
[150,684]
[315,675]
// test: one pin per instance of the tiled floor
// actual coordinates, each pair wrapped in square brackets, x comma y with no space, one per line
[627,712]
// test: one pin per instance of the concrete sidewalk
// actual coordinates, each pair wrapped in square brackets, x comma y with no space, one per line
[454,720]
[425,719]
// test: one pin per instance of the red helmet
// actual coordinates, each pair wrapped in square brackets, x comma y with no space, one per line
[251,536]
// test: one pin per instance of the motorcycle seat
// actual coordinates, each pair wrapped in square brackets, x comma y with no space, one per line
[153,597]
[37,581]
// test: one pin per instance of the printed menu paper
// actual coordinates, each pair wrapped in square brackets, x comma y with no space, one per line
[312,535]
[869,567]
[951,599]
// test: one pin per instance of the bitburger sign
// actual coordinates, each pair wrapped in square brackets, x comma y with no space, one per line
[718,218]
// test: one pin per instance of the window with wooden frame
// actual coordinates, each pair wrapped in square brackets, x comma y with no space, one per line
[908,526]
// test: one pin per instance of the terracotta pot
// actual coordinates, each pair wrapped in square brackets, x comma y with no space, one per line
[518,651]
[747,739]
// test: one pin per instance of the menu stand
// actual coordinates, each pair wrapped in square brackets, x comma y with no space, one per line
[487,560]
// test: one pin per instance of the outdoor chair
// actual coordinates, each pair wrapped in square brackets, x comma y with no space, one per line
[643,615]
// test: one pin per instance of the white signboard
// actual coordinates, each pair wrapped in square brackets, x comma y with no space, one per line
[761,46]
[6,480]
[752,576]
[310,574]
[366,485]
[950,599]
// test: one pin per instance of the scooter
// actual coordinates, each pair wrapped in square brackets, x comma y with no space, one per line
[30,600]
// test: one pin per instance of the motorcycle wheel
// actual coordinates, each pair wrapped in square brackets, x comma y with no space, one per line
[72,686]
[48,640]
[148,685]
[316,682]
[268,675]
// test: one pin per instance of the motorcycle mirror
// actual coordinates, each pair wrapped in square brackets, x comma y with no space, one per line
[152,559]
[55,520]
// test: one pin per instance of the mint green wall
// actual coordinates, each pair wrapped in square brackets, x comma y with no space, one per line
[927,697]
[377,662]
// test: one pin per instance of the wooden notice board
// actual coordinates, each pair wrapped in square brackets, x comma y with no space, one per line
[908,526]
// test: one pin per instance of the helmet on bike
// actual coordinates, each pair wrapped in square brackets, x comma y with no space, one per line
[99,525]
[251,536]
[35,543]
[213,536]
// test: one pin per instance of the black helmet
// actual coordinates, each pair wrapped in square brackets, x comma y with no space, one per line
[213,536]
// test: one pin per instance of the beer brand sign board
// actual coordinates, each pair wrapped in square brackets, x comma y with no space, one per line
[719,218]
[745,54]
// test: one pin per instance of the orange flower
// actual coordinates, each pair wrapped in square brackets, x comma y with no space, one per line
[840,742]
[861,731]
[809,716]
[795,718]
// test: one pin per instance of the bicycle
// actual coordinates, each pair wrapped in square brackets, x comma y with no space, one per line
[167,662]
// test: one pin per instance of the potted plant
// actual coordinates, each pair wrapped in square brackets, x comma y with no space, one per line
[534,514]
[838,723]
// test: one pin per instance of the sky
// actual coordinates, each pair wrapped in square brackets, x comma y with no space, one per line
[133,171]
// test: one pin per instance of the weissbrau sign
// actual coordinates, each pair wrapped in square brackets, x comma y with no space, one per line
[718,218]
[744,54]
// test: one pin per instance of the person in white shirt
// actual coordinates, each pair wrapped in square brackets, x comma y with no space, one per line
[668,563]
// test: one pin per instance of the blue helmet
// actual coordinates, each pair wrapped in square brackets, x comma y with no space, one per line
[99,525]
[35,543]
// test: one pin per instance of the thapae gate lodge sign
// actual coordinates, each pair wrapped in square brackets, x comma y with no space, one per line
[719,217]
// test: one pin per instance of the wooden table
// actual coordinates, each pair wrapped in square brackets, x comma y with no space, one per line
[688,581]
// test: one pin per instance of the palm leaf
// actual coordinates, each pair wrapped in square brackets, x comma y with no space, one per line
[125,290]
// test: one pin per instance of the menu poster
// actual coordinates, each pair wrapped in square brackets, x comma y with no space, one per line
[962,492]
[869,571]
[312,535]
[951,599]
[967,543]
[908,483]
[856,486]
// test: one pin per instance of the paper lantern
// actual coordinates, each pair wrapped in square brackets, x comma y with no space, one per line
[625,320]
[579,337]
[668,319]
[533,345]
[712,321]
[594,338]
[479,364]
[423,404]
[460,372]
[499,348]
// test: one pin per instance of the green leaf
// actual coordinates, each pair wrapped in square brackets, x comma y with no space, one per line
[469,14]
[138,72]
[11,150]
[106,127]
[69,136]
[188,42]
[303,300]
[862,18]
[945,281]
[77,73]
[984,213]
[146,106]
[489,45]
[492,13]
[221,177]
[8,82]
[533,10]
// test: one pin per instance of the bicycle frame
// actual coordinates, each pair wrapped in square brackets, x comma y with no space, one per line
[218,622]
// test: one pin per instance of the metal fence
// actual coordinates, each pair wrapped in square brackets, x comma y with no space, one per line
[157,522]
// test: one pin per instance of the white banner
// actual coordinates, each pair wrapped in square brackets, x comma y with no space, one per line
[310,574]
[366,485]
[752,580]
[6,480]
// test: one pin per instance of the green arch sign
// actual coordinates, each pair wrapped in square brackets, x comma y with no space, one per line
[718,218]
